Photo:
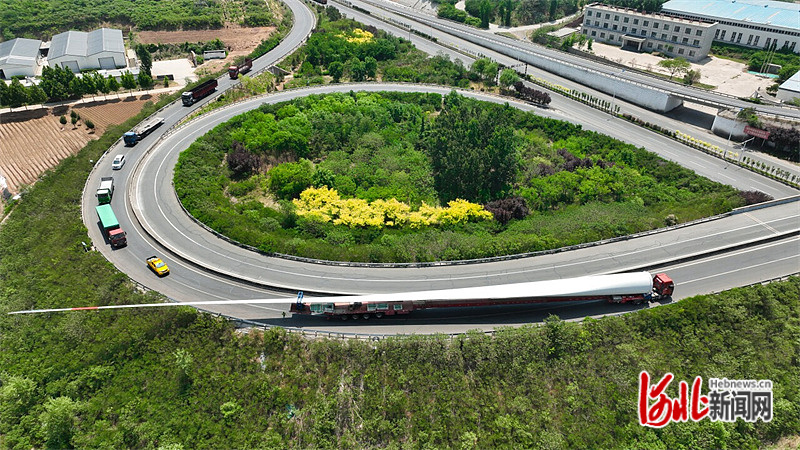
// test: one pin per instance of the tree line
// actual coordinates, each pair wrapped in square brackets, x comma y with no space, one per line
[59,84]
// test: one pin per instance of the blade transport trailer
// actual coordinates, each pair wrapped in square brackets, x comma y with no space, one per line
[634,288]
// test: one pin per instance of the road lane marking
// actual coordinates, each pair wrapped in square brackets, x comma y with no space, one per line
[736,270]
[757,220]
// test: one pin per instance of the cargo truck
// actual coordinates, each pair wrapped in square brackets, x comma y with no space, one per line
[633,288]
[198,92]
[242,68]
[116,237]
[145,128]
[105,191]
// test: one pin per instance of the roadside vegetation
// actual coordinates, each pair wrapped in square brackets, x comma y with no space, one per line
[175,378]
[42,20]
[547,183]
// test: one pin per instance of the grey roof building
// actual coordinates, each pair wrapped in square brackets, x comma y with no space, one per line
[749,23]
[78,50]
[790,89]
[19,57]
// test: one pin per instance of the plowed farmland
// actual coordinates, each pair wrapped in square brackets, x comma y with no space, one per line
[33,141]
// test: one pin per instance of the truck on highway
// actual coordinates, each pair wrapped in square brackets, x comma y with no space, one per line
[198,92]
[110,225]
[105,191]
[633,288]
[242,68]
[145,128]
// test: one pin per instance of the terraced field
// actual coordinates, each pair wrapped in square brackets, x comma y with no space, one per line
[35,141]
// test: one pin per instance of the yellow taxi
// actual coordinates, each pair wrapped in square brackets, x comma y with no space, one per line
[157,265]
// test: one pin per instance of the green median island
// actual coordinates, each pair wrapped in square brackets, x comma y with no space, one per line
[417,177]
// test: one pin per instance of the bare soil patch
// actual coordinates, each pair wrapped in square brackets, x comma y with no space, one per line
[35,141]
[238,40]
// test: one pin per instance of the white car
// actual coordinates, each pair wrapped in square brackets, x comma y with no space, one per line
[118,162]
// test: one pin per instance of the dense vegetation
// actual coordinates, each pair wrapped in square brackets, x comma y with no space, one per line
[41,19]
[174,378]
[421,149]
[61,84]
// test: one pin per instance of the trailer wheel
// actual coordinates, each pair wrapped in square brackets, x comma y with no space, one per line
[378,315]
[344,317]
[366,316]
[355,316]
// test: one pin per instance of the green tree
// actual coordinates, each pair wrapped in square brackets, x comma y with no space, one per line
[112,83]
[145,59]
[675,66]
[485,13]
[56,82]
[63,120]
[128,81]
[357,69]
[472,150]
[144,80]
[17,396]
[691,77]
[58,420]
[335,70]
[16,94]
[508,77]
[370,67]
[288,180]
[3,93]
[36,95]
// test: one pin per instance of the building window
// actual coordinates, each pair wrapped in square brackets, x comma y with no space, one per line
[749,39]
[677,29]
[664,37]
[614,27]
[699,33]
[649,45]
[605,25]
[616,18]
[722,36]
[594,33]
[655,25]
[685,41]
[653,34]
[733,36]
[739,38]
[588,14]
[646,23]
[716,35]
[696,43]
[688,30]
[680,51]
[660,46]
[607,16]
[791,47]
[610,37]
[634,31]
[624,29]
[691,52]
[674,38]
[602,35]
[644,32]
[768,41]
[755,41]
[626,19]
[636,21]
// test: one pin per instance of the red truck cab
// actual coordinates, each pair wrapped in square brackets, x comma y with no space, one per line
[663,285]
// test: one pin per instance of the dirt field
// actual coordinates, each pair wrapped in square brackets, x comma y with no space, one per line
[239,41]
[34,141]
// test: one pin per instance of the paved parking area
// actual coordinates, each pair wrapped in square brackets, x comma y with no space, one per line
[729,77]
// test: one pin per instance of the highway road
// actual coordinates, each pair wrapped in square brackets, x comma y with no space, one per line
[205,267]
[531,52]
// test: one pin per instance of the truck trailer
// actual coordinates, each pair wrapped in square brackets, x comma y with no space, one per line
[139,133]
[106,190]
[234,71]
[198,92]
[633,288]
[111,227]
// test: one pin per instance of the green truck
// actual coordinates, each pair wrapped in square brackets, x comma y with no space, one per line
[110,225]
[105,191]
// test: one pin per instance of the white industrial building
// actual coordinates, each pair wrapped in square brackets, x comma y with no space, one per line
[675,36]
[790,89]
[19,57]
[98,49]
[749,23]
